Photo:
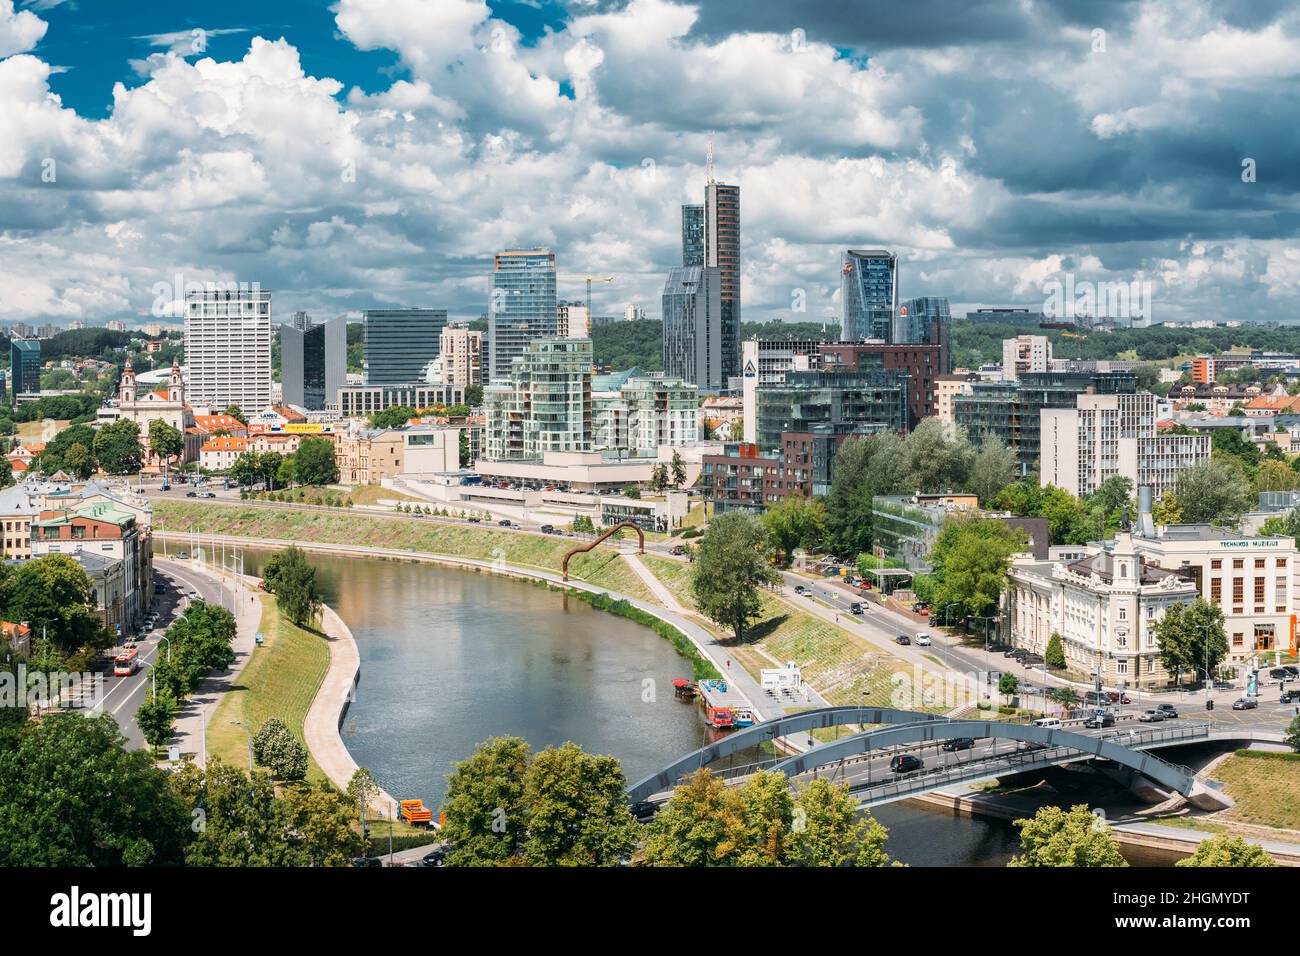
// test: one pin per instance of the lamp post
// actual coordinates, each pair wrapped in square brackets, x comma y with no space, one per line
[1205,629]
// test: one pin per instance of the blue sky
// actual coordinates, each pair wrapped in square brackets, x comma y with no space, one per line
[362,153]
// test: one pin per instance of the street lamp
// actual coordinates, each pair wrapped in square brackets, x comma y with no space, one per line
[1205,629]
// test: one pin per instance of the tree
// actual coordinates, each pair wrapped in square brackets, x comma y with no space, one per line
[1167,510]
[474,395]
[659,476]
[287,473]
[1191,638]
[79,462]
[1226,850]
[156,717]
[1292,737]
[292,579]
[52,593]
[939,457]
[1276,476]
[117,447]
[245,469]
[678,468]
[1008,684]
[703,824]
[7,473]
[970,559]
[864,467]
[394,417]
[234,412]
[72,795]
[276,748]
[314,462]
[243,824]
[51,459]
[1056,837]
[1054,656]
[730,568]
[794,522]
[576,810]
[993,468]
[1229,442]
[484,808]
[1214,490]
[829,830]
[165,442]
[318,819]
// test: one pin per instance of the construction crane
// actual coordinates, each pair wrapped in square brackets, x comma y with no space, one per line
[589,280]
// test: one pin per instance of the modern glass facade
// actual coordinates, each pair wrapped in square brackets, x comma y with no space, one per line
[807,399]
[522,306]
[722,252]
[313,362]
[692,339]
[1011,411]
[24,366]
[693,235]
[869,294]
[923,321]
[400,343]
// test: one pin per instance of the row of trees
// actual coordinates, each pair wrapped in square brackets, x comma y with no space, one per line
[565,807]
[53,594]
[314,463]
[292,579]
[197,643]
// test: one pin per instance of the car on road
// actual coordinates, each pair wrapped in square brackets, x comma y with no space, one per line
[1245,703]
[1289,696]
[182,555]
[367,861]
[1150,717]
[800,589]
[958,743]
[191,494]
[548,529]
[855,608]
[922,609]
[208,494]
[905,763]
[474,520]
[1116,697]
[680,549]
[922,640]
[1052,722]
[902,639]
[1168,711]
[504,522]
[1099,720]
[644,811]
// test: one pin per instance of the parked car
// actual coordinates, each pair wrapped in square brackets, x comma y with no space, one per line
[644,811]
[1245,703]
[1167,711]
[958,743]
[182,555]
[922,640]
[902,639]
[1293,672]
[367,861]
[1099,720]
[905,763]
[1116,697]
[1151,717]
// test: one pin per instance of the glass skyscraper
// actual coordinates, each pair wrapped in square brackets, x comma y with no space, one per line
[692,343]
[24,366]
[313,361]
[869,295]
[522,306]
[400,343]
[692,235]
[923,321]
[722,252]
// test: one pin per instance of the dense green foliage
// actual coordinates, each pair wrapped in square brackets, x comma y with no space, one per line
[970,559]
[1191,638]
[313,462]
[276,748]
[730,568]
[794,522]
[1074,837]
[1226,850]
[292,579]
[53,594]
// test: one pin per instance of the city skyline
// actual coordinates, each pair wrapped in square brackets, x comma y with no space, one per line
[544,135]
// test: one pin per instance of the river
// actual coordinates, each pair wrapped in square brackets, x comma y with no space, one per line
[451,657]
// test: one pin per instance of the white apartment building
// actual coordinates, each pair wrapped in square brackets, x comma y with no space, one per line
[573,321]
[1109,435]
[545,405]
[649,412]
[461,355]
[1104,607]
[228,348]
[1025,353]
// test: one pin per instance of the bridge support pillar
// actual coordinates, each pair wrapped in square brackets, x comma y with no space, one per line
[1207,798]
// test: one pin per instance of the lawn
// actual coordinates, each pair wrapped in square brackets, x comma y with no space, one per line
[543,552]
[37,431]
[373,494]
[280,680]
[1264,785]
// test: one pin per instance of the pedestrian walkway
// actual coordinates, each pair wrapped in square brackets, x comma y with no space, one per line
[657,587]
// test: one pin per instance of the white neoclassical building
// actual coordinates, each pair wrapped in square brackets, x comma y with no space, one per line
[1104,606]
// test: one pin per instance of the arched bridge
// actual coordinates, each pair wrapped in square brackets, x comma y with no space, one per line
[1010,748]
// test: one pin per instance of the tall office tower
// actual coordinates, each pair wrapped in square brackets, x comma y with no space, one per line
[923,321]
[572,321]
[693,235]
[400,343]
[228,348]
[462,356]
[692,335]
[24,366]
[868,295]
[313,361]
[722,252]
[522,305]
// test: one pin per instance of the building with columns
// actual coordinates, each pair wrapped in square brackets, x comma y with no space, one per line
[167,403]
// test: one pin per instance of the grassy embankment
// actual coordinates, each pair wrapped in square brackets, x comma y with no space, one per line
[843,667]
[337,495]
[603,567]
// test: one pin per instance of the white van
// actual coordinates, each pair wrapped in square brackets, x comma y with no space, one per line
[922,639]
[1048,722]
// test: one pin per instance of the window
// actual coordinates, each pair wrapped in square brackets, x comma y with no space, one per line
[1238,563]
[1259,562]
[1237,640]
[1238,590]
[1215,564]
[1216,590]
[1259,590]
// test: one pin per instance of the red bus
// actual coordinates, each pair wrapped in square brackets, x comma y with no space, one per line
[126,663]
